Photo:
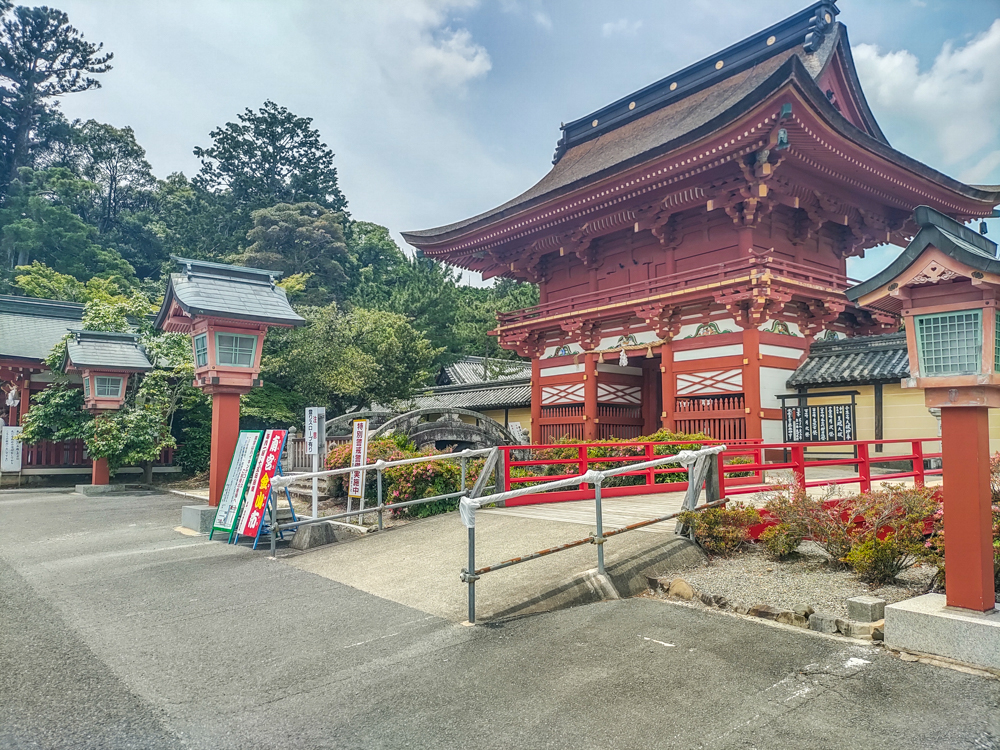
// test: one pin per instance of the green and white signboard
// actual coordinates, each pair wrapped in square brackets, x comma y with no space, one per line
[244,458]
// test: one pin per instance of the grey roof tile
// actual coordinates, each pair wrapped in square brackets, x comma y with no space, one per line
[30,327]
[225,291]
[856,361]
[506,396]
[113,351]
[469,370]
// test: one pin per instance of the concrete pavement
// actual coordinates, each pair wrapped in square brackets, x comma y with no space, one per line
[118,631]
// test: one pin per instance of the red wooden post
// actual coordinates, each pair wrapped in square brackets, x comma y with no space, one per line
[968,523]
[667,385]
[751,382]
[864,468]
[536,401]
[650,472]
[506,470]
[590,398]
[798,456]
[99,473]
[918,463]
[582,466]
[225,432]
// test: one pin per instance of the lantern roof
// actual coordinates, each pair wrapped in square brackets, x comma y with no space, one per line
[231,292]
[956,240]
[104,350]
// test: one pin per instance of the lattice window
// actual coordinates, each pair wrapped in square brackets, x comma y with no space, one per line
[950,343]
[996,344]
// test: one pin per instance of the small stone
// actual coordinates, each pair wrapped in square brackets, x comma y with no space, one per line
[707,599]
[741,610]
[721,602]
[854,629]
[764,611]
[865,608]
[822,623]
[785,617]
[878,630]
[681,589]
[908,657]
[803,609]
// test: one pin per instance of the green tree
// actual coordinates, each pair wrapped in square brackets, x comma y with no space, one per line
[348,360]
[270,156]
[41,57]
[143,427]
[116,163]
[38,280]
[476,315]
[300,239]
[40,222]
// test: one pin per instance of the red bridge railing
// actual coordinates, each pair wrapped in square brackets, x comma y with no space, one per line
[758,463]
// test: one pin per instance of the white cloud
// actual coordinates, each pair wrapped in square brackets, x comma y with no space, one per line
[622,26]
[947,115]
[542,19]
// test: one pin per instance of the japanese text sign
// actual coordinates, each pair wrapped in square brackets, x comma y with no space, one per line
[255,504]
[315,430]
[359,457]
[236,481]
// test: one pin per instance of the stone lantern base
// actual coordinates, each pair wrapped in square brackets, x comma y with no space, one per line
[926,624]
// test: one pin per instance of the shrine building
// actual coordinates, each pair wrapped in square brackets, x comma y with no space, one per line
[690,241]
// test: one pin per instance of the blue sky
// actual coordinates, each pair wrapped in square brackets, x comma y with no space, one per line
[440,109]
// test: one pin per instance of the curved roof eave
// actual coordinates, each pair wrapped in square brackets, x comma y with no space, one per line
[793,71]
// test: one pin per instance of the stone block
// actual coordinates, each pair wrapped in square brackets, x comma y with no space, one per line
[803,609]
[925,624]
[822,623]
[787,617]
[313,535]
[198,517]
[96,490]
[878,630]
[854,629]
[764,612]
[707,599]
[681,589]
[721,602]
[865,608]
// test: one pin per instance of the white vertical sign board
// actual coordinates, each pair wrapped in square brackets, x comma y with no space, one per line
[359,457]
[10,449]
[315,430]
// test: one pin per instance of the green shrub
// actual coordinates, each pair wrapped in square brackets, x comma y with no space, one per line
[722,530]
[879,561]
[897,512]
[426,479]
[737,460]
[780,541]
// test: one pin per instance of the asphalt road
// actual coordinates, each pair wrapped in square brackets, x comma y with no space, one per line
[116,631]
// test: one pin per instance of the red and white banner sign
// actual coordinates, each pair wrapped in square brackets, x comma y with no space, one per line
[255,503]
[359,457]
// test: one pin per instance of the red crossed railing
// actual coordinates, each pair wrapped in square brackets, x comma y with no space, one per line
[864,464]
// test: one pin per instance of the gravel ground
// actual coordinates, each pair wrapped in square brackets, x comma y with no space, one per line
[750,578]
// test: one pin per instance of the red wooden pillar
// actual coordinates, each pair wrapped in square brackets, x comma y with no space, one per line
[751,382]
[650,396]
[24,394]
[225,432]
[99,473]
[968,523]
[590,398]
[536,400]
[667,385]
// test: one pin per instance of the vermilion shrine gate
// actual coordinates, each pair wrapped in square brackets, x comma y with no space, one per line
[691,239]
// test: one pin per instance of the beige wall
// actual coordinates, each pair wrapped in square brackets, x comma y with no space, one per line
[522,416]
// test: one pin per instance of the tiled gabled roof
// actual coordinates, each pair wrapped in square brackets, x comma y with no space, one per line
[857,361]
[104,350]
[469,370]
[218,290]
[30,327]
[509,395]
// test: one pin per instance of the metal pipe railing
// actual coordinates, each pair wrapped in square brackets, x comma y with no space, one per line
[703,467]
[379,466]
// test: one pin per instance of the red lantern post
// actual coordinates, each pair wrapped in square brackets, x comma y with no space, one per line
[227,311]
[946,285]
